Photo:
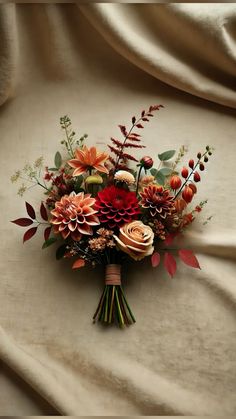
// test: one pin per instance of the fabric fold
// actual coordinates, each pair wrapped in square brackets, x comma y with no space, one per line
[185,46]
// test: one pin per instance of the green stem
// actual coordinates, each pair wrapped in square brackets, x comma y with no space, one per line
[138,178]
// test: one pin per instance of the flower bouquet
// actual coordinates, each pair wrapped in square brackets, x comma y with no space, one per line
[102,211]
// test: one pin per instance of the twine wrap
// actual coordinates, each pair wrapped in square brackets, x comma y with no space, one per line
[113,274]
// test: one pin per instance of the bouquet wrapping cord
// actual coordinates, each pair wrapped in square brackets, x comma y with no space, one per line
[109,208]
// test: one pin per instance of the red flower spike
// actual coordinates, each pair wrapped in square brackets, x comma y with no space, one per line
[43,212]
[155,259]
[23,222]
[188,257]
[191,163]
[47,232]
[184,172]
[175,182]
[79,263]
[196,177]
[29,233]
[170,264]
[30,210]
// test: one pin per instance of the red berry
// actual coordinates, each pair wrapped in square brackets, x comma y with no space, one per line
[175,182]
[199,155]
[191,163]
[146,162]
[196,177]
[201,166]
[184,172]
[187,194]
[193,187]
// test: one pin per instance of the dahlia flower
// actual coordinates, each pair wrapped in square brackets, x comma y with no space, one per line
[86,159]
[116,206]
[157,200]
[74,215]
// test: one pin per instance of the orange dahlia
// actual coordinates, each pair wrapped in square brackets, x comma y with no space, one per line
[87,159]
[74,216]
[157,200]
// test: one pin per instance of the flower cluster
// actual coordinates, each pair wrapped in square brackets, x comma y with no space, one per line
[107,207]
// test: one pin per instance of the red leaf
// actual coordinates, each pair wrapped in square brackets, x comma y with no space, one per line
[47,232]
[79,263]
[30,210]
[155,259]
[43,212]
[142,113]
[188,257]
[170,264]
[29,233]
[123,130]
[145,119]
[139,126]
[133,120]
[169,239]
[23,222]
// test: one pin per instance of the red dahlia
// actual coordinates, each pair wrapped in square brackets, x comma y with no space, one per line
[116,206]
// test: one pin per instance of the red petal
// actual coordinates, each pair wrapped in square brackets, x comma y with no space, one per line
[170,264]
[43,212]
[30,210]
[79,263]
[47,232]
[188,257]
[23,222]
[29,233]
[155,259]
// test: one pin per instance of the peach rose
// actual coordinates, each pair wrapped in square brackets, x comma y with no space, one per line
[136,240]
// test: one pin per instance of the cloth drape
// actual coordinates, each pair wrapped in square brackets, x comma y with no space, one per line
[101,64]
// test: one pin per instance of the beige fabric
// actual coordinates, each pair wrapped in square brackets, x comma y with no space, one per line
[179,358]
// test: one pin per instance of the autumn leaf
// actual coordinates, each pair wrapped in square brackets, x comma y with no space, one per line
[170,264]
[188,257]
[79,263]
[29,233]
[23,222]
[43,212]
[30,210]
[155,259]
[47,232]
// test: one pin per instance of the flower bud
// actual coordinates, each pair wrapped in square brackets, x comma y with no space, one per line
[201,166]
[187,194]
[193,187]
[199,155]
[196,177]
[191,163]
[94,180]
[180,205]
[184,172]
[146,162]
[175,182]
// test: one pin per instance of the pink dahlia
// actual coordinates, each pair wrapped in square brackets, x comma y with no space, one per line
[74,215]
[116,206]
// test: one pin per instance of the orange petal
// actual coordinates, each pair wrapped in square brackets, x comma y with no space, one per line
[79,263]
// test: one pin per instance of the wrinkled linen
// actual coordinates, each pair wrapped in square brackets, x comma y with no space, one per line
[179,358]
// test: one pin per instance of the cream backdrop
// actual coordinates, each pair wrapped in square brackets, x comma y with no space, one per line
[101,64]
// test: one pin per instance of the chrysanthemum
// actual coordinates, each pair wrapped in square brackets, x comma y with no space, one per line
[124,176]
[74,215]
[157,200]
[88,158]
[116,206]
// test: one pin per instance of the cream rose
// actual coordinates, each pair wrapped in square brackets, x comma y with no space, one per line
[136,239]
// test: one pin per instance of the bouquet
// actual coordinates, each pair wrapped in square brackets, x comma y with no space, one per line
[110,207]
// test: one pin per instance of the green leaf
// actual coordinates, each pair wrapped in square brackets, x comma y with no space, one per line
[53,169]
[78,182]
[61,251]
[57,160]
[167,155]
[166,171]
[49,242]
[154,172]
[160,178]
